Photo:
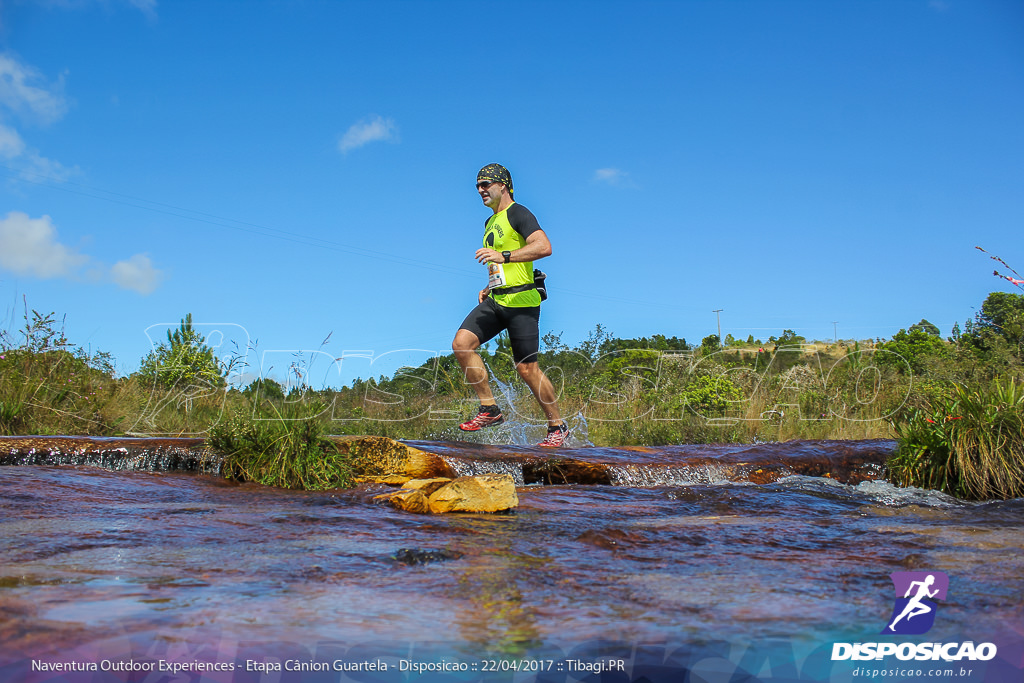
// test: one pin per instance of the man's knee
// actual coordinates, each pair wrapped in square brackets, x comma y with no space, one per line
[465,341]
[528,370]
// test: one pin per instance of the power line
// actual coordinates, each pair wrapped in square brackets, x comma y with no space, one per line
[221,221]
[276,233]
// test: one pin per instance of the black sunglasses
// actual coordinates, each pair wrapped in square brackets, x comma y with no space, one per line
[485,184]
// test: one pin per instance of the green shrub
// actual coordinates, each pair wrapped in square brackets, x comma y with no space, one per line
[288,450]
[970,445]
[710,396]
[913,351]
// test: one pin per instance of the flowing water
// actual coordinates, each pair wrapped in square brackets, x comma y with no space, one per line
[684,563]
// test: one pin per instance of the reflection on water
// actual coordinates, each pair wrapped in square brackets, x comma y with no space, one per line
[91,556]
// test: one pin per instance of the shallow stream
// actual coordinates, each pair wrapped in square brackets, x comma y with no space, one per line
[682,568]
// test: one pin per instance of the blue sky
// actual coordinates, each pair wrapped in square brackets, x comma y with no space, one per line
[293,171]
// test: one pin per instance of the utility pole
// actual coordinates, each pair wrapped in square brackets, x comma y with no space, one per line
[835,333]
[717,313]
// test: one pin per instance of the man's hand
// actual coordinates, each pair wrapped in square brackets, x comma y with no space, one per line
[537,247]
[488,255]
[483,294]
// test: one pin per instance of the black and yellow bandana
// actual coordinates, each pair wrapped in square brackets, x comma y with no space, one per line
[496,173]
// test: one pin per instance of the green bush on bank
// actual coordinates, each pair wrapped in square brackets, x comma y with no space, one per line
[970,445]
[289,450]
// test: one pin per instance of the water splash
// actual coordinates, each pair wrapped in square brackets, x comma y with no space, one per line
[511,432]
[579,434]
[518,429]
[521,431]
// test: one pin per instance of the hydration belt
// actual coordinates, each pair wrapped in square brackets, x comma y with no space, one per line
[538,284]
[515,289]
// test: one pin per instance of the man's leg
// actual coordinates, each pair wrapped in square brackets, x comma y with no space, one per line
[542,390]
[464,346]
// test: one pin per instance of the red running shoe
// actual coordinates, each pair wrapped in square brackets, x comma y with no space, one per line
[488,415]
[555,437]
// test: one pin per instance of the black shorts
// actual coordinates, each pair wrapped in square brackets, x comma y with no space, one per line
[523,325]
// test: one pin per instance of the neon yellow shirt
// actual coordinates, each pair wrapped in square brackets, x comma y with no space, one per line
[507,231]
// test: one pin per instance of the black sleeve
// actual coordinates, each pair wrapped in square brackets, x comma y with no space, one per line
[522,220]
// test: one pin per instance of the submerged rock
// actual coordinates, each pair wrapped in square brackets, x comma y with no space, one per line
[426,486]
[438,495]
[409,500]
[482,493]
[414,556]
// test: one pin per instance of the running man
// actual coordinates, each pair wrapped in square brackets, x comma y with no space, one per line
[513,240]
[915,607]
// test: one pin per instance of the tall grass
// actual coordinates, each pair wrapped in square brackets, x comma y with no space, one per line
[969,444]
[686,401]
[50,386]
[959,430]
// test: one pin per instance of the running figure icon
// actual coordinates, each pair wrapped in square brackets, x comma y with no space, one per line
[916,607]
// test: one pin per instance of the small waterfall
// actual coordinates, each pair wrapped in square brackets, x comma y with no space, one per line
[129,454]
[685,475]
[472,468]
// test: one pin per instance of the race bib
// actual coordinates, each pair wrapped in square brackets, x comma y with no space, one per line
[495,276]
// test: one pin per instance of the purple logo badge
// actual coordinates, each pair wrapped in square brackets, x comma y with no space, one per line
[914,610]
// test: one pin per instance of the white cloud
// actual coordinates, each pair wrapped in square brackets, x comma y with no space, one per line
[11,144]
[29,246]
[34,164]
[147,7]
[28,160]
[137,273]
[369,130]
[613,176]
[24,91]
[25,94]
